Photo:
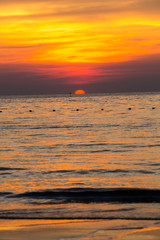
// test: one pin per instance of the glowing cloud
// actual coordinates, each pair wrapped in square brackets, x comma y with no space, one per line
[67,40]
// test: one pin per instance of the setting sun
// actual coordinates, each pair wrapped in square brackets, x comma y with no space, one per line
[80,92]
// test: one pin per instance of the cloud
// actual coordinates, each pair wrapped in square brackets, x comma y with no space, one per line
[71,8]
[142,74]
[100,45]
[28,79]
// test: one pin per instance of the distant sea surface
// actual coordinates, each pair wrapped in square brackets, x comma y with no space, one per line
[80,157]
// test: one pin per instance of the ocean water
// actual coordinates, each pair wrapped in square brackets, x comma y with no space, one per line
[81,157]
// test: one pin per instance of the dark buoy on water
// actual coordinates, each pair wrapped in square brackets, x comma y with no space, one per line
[77,109]
[129,108]
[0,110]
[30,110]
[153,107]
[102,109]
[53,110]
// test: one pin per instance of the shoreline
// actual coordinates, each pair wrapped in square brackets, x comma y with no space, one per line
[72,229]
[151,233]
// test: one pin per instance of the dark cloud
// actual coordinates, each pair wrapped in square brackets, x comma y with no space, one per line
[20,79]
[142,74]
[16,46]
[54,45]
[146,5]
[71,8]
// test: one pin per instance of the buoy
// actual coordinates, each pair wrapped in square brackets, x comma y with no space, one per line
[129,108]
[77,109]
[30,110]
[102,109]
[153,107]
[54,110]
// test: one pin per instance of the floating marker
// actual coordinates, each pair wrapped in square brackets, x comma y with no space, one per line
[129,108]
[102,109]
[153,107]
[54,110]
[30,110]
[77,109]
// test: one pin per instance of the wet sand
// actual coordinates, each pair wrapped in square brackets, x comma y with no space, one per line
[72,229]
[145,234]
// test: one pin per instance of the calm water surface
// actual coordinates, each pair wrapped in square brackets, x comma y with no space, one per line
[92,157]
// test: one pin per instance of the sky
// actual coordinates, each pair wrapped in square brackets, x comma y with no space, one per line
[59,46]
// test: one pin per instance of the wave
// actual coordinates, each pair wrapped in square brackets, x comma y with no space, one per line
[10,169]
[92,195]
[67,126]
[97,171]
[141,146]
[5,194]
[89,171]
[81,212]
[31,217]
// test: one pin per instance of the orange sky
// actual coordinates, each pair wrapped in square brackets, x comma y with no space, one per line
[63,45]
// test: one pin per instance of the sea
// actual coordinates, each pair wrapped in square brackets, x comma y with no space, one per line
[75,157]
